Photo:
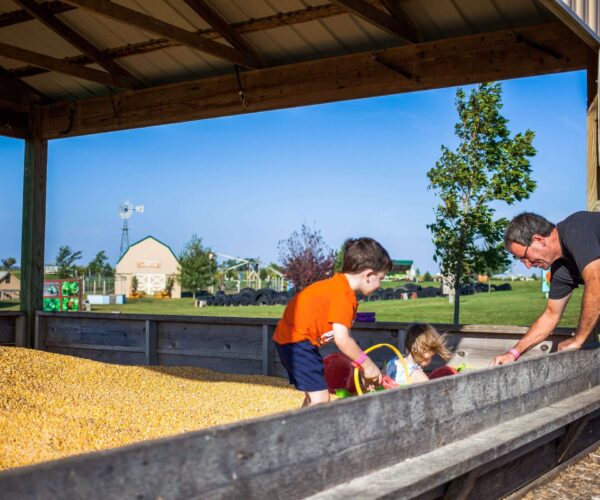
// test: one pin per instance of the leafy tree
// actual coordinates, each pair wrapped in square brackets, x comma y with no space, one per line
[427,276]
[305,258]
[8,263]
[198,267]
[488,166]
[134,284]
[338,263]
[65,261]
[100,266]
[534,276]
[169,285]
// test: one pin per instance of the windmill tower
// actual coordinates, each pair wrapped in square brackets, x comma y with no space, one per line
[126,210]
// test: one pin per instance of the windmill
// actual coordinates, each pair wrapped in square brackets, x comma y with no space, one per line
[126,210]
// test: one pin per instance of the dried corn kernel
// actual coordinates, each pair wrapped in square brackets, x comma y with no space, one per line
[52,405]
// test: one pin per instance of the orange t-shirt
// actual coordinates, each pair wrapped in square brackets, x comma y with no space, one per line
[311,312]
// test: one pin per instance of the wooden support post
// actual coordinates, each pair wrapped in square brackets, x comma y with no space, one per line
[573,431]
[151,343]
[40,333]
[268,351]
[20,338]
[34,224]
[593,164]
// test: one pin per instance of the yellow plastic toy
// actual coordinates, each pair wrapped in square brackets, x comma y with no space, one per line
[359,390]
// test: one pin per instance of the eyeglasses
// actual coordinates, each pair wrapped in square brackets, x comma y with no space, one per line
[524,257]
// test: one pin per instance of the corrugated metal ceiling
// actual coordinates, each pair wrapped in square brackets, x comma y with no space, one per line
[325,37]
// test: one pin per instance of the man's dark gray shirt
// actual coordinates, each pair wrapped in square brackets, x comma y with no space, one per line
[579,236]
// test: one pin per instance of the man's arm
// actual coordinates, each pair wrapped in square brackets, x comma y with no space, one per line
[590,307]
[541,328]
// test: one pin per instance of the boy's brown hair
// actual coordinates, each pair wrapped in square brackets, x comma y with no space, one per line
[365,253]
[422,338]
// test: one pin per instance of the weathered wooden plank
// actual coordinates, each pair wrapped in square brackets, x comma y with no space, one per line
[493,448]
[63,329]
[7,330]
[51,345]
[104,355]
[500,409]
[456,61]
[228,338]
[216,363]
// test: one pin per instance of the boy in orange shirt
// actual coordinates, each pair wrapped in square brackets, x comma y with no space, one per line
[324,312]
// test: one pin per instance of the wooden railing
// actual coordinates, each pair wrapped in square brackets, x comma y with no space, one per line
[12,328]
[241,345]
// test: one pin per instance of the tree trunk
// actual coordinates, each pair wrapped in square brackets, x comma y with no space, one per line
[457,281]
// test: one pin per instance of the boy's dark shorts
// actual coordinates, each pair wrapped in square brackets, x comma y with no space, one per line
[304,365]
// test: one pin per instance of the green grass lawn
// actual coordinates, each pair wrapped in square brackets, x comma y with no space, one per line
[521,306]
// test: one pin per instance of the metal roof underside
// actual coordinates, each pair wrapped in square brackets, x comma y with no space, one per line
[154,60]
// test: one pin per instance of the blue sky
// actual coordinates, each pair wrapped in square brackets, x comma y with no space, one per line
[244,183]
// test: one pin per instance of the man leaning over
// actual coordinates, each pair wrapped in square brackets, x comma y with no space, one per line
[571,250]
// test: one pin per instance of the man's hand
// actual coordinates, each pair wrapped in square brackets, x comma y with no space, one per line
[502,359]
[569,345]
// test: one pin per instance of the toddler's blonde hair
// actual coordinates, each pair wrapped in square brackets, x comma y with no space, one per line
[422,338]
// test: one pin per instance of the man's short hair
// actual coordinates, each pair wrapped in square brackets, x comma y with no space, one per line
[365,253]
[522,228]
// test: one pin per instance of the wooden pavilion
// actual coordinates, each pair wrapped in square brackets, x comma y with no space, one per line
[77,67]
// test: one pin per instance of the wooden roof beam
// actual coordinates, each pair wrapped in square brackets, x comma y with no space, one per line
[14,124]
[18,93]
[21,16]
[221,26]
[48,18]
[251,26]
[444,63]
[401,29]
[148,23]
[61,66]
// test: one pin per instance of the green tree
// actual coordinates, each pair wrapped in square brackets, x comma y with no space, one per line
[488,166]
[99,266]
[8,263]
[427,276]
[338,263]
[65,261]
[198,267]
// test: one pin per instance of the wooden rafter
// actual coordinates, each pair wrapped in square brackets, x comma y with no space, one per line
[396,10]
[21,16]
[221,26]
[48,18]
[379,18]
[61,66]
[153,25]
[14,123]
[253,25]
[445,63]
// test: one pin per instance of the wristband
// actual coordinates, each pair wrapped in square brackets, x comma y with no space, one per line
[515,353]
[360,360]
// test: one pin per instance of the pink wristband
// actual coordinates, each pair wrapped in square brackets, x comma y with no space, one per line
[360,360]
[515,353]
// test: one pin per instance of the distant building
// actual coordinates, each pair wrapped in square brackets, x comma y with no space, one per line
[152,262]
[10,285]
